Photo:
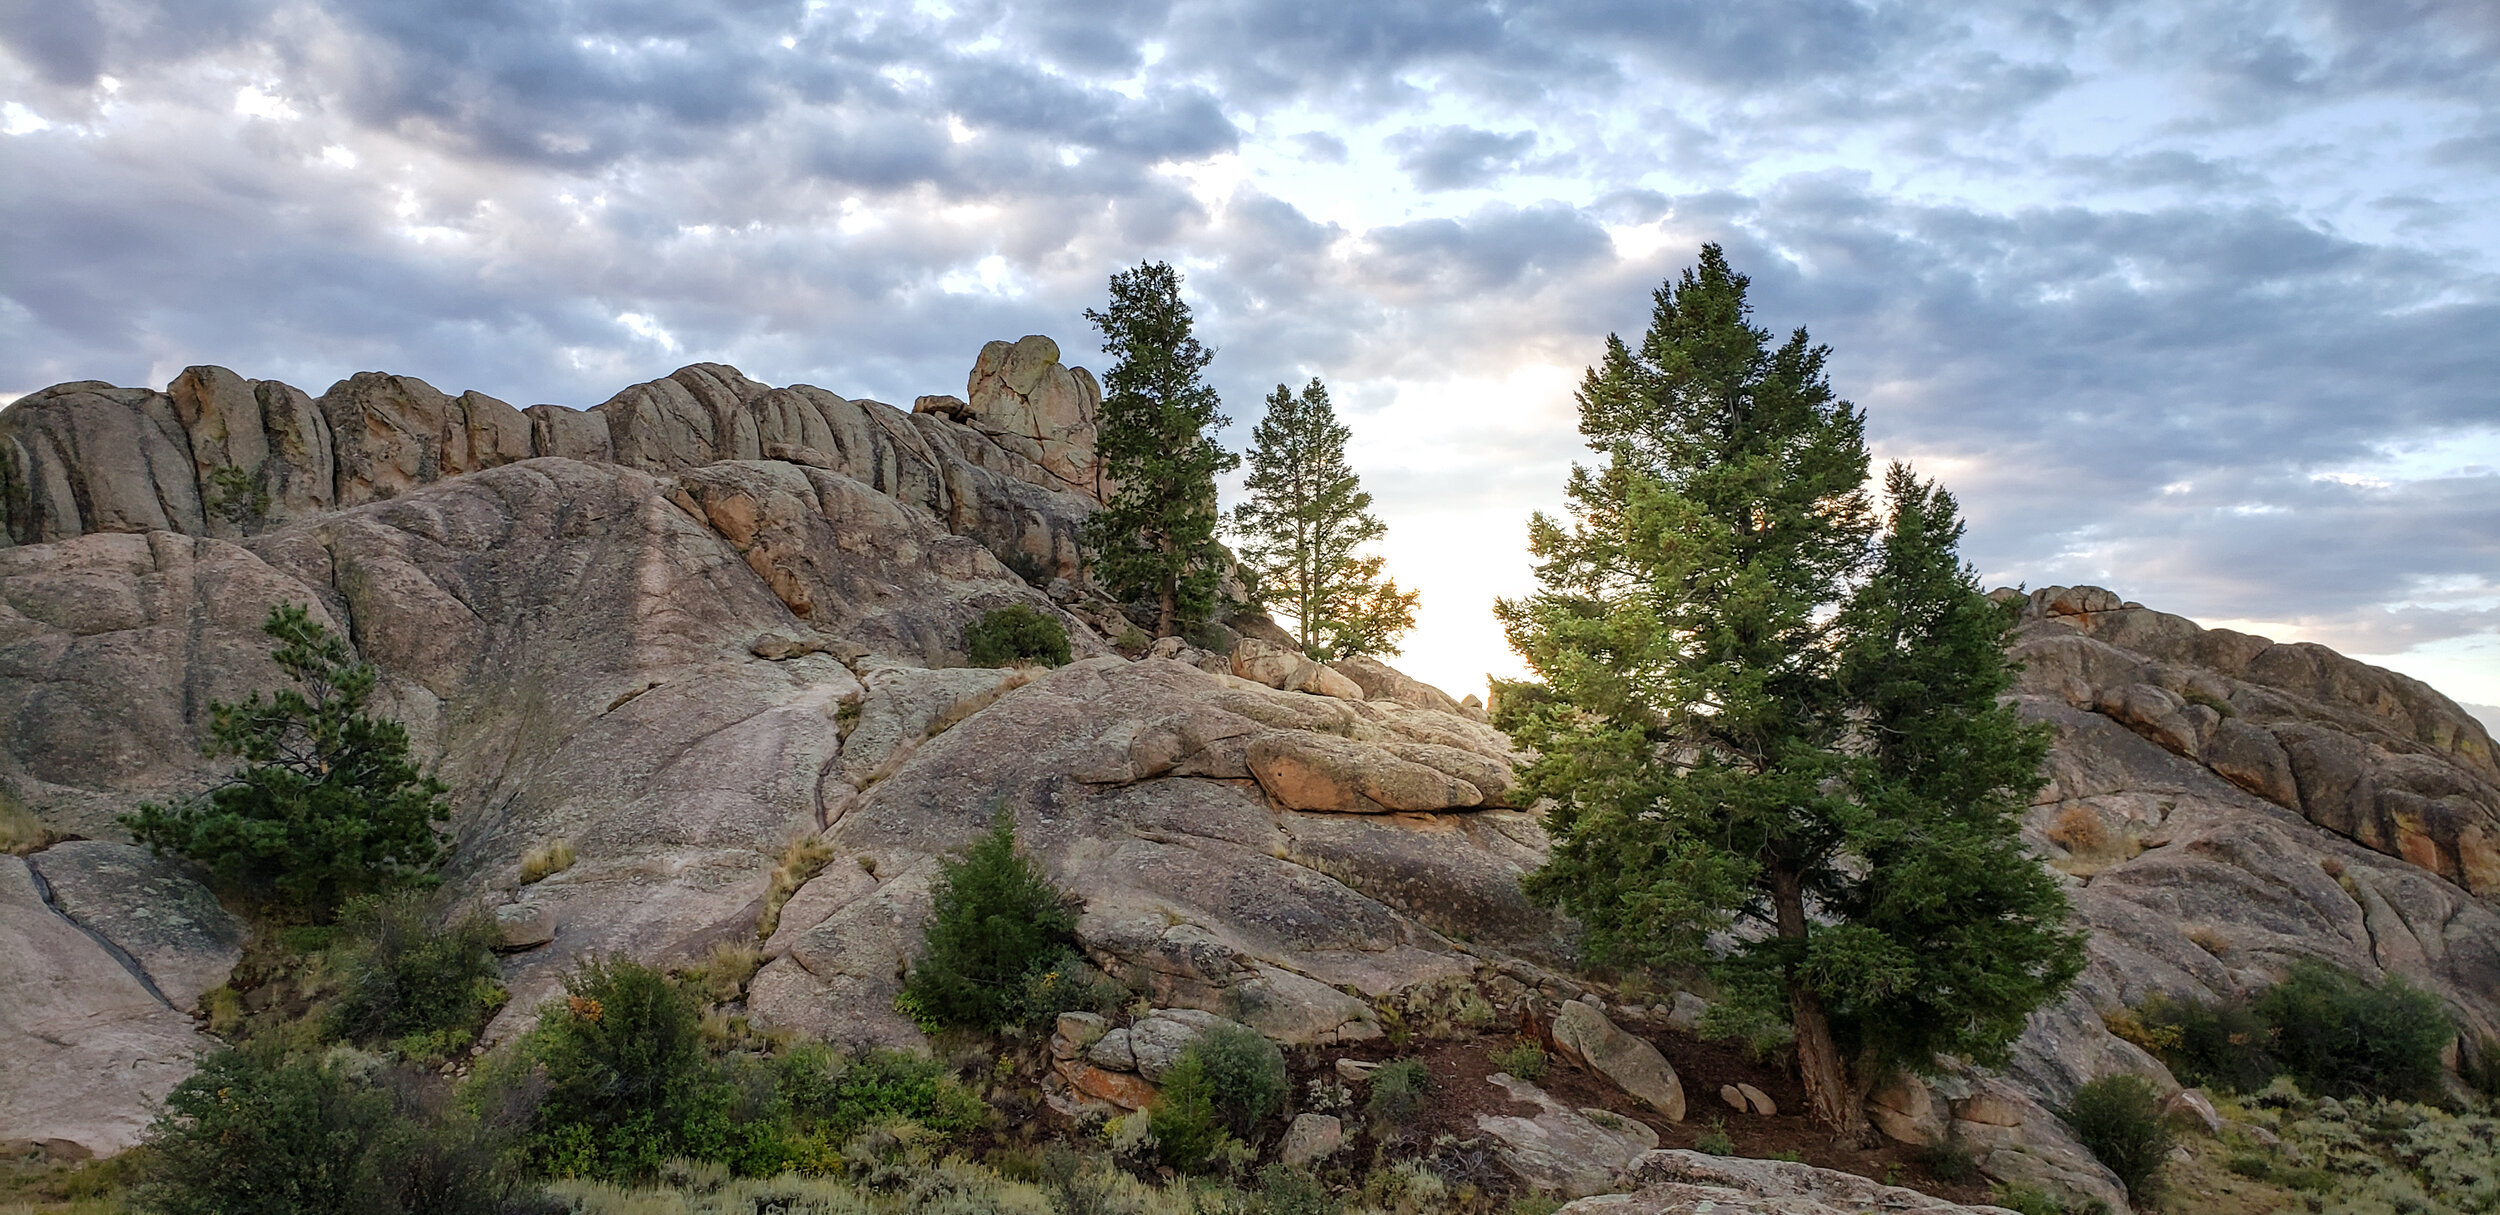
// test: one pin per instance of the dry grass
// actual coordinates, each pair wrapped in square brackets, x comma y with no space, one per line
[723,974]
[546,860]
[805,857]
[20,831]
[2080,831]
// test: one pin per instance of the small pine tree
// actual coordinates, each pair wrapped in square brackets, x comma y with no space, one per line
[994,917]
[1306,515]
[1156,537]
[327,804]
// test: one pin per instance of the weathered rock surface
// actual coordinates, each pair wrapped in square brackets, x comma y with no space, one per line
[1311,1137]
[90,1049]
[1681,1181]
[1561,1150]
[151,908]
[1586,1037]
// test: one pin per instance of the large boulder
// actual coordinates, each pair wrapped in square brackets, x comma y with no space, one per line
[1560,1150]
[152,910]
[1585,1036]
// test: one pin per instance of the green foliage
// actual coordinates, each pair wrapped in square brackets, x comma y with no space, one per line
[1398,1089]
[1525,1060]
[2332,1032]
[837,1097]
[1016,633]
[255,1132]
[2342,1037]
[1065,982]
[2367,1156]
[1155,539]
[1306,515]
[424,992]
[238,497]
[1747,706]
[1189,1134]
[1245,1073]
[2119,1117]
[627,1082]
[995,920]
[1286,1190]
[1949,1161]
[2024,1200]
[1715,1141]
[327,803]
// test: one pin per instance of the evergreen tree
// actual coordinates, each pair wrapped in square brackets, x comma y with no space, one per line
[1156,537]
[995,921]
[1306,514]
[1960,931]
[327,803]
[1698,727]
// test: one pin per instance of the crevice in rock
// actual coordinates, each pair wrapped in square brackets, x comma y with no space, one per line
[43,890]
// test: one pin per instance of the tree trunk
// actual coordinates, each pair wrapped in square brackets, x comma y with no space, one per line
[1830,1099]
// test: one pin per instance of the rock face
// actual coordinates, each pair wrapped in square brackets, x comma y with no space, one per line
[91,1048]
[152,909]
[678,631]
[1680,1181]
[2223,806]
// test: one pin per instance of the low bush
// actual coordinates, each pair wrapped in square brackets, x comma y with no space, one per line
[404,984]
[258,1132]
[1397,1095]
[627,1084]
[2333,1033]
[546,860]
[1018,633]
[1188,1134]
[20,831]
[1245,1074]
[2341,1037]
[1715,1141]
[995,921]
[1286,1190]
[839,1097]
[2119,1117]
[1525,1060]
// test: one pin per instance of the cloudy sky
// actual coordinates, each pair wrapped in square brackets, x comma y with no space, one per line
[2196,301]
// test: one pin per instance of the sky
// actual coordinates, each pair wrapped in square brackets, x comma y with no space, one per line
[2195,301]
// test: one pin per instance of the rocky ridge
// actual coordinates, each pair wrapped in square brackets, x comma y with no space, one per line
[710,616]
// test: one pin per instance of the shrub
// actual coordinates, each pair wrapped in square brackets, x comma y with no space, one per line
[1715,1141]
[1286,1190]
[1948,1161]
[327,803]
[405,984]
[256,1132]
[2119,1117]
[994,917]
[1525,1060]
[20,831]
[546,860]
[627,1082]
[1004,636]
[2341,1037]
[1245,1075]
[1066,982]
[838,1097]
[2024,1200]
[2224,1044]
[1187,1133]
[1397,1092]
[803,859]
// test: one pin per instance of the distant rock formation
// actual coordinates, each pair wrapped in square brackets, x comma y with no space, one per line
[711,616]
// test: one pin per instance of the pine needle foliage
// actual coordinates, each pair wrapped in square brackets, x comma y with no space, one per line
[327,803]
[1306,516]
[1748,711]
[1155,539]
[995,919]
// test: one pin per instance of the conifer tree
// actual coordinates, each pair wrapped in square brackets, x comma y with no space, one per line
[1306,515]
[1156,537]
[1700,731]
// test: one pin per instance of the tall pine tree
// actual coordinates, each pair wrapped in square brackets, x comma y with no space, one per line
[1306,515]
[1697,726]
[1156,537]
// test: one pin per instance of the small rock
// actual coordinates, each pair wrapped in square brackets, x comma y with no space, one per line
[525,925]
[1735,1099]
[1311,1137]
[1583,1033]
[1355,1069]
[1126,1090]
[2190,1105]
[1688,1011]
[1075,1033]
[1759,1100]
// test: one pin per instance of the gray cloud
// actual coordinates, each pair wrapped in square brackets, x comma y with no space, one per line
[2172,367]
